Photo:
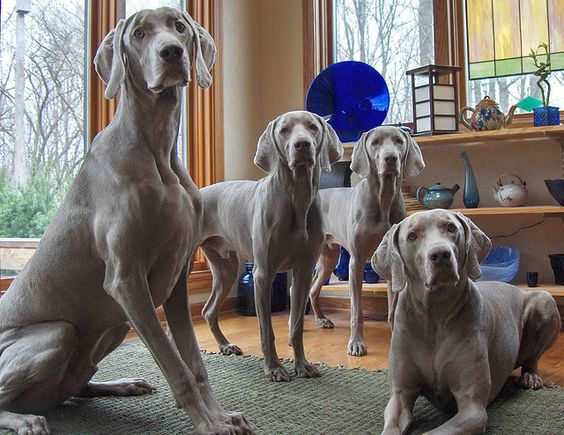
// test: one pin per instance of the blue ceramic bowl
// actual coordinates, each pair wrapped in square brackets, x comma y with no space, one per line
[556,189]
[501,264]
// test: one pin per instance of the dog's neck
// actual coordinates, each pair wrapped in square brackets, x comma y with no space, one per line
[300,186]
[438,307]
[380,193]
[150,119]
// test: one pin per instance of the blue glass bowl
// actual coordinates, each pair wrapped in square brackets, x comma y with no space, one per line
[501,264]
[352,96]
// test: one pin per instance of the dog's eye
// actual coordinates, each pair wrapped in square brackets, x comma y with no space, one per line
[451,228]
[139,33]
[313,127]
[180,27]
[412,236]
[284,130]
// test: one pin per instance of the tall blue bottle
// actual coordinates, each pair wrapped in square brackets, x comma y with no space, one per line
[471,195]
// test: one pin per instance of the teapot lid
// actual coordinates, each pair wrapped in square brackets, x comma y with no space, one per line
[438,186]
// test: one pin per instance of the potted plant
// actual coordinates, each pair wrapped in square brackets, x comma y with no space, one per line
[545,114]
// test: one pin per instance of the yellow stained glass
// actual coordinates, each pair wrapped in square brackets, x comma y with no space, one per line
[556,26]
[480,39]
[507,39]
[534,24]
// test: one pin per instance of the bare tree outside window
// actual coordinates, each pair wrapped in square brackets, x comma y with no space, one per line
[52,127]
[393,36]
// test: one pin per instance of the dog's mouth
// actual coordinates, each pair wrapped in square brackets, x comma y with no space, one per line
[170,75]
[441,278]
[301,162]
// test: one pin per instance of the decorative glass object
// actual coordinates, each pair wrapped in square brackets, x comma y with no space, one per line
[246,292]
[435,100]
[352,96]
[501,33]
[471,196]
[546,115]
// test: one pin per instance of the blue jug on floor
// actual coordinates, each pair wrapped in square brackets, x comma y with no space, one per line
[246,292]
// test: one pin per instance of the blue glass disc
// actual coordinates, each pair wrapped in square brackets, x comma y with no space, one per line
[352,96]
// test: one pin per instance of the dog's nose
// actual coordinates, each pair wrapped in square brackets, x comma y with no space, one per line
[390,159]
[171,53]
[439,256]
[301,145]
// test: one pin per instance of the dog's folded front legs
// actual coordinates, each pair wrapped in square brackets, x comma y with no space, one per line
[133,295]
[298,298]
[471,417]
[399,411]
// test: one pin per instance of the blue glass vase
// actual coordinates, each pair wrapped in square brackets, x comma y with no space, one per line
[342,269]
[370,277]
[246,292]
[471,196]
[546,115]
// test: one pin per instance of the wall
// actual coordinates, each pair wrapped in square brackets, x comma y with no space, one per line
[263,70]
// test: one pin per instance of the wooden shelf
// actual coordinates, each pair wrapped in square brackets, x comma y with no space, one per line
[381,288]
[544,210]
[555,132]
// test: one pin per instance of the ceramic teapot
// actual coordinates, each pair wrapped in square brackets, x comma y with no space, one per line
[486,116]
[510,191]
[436,196]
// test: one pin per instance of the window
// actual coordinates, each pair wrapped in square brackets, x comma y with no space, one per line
[42,116]
[391,35]
[500,34]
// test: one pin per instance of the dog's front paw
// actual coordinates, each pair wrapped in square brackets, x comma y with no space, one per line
[217,428]
[230,349]
[357,347]
[324,323]
[277,374]
[239,422]
[307,370]
[531,380]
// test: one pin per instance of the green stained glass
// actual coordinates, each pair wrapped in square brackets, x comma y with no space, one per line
[481,70]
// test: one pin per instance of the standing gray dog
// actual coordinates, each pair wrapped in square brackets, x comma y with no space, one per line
[119,244]
[357,218]
[276,222]
[454,340]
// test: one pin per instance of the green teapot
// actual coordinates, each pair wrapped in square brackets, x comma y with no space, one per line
[436,196]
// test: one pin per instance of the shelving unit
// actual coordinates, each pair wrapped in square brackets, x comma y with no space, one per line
[543,210]
[555,290]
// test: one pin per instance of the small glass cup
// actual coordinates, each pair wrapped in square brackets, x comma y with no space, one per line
[532,279]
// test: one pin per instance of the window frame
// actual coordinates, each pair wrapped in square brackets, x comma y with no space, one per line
[204,114]
[449,38]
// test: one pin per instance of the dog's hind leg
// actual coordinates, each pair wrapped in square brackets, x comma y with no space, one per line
[325,265]
[540,331]
[33,362]
[224,272]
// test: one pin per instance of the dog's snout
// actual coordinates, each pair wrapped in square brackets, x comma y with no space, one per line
[171,53]
[301,145]
[440,255]
[390,159]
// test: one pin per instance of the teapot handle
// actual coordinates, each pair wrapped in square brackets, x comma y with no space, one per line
[501,177]
[463,119]
[419,191]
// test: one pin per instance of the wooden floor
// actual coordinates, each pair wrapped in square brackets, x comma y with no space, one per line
[329,345]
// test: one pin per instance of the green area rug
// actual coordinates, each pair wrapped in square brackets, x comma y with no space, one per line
[341,402]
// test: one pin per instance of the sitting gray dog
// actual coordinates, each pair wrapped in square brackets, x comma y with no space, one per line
[119,244]
[276,222]
[357,218]
[453,340]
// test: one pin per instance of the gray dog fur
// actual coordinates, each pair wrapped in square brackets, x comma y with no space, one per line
[119,244]
[277,223]
[454,340]
[357,218]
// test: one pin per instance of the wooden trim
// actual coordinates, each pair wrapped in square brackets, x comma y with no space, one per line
[318,44]
[4,284]
[373,307]
[103,17]
[200,281]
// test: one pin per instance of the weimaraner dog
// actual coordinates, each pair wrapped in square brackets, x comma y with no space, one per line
[454,340]
[119,244]
[357,218]
[277,223]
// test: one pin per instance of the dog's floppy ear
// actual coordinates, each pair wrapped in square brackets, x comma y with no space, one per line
[413,163]
[387,260]
[360,164]
[204,52]
[109,62]
[267,154]
[477,247]
[331,146]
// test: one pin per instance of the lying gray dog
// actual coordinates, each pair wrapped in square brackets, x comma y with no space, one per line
[119,244]
[357,218]
[276,222]
[454,340]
